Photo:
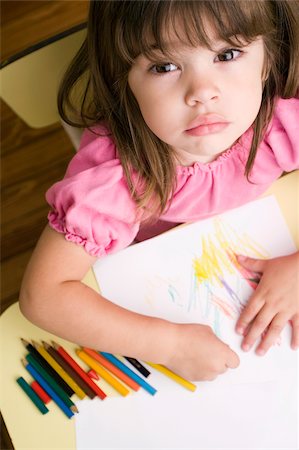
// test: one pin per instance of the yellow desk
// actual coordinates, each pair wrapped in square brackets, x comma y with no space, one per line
[28,428]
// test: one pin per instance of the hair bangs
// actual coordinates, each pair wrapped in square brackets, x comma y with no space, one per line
[153,25]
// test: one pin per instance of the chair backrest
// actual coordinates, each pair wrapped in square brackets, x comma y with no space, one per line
[29,85]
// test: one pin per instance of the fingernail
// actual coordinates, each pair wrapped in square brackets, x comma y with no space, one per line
[240,330]
[245,347]
[260,352]
[241,257]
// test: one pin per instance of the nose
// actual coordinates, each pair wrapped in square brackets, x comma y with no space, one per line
[201,90]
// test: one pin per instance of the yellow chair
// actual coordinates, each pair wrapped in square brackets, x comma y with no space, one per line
[29,83]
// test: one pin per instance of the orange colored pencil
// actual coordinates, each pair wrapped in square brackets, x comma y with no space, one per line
[91,362]
[79,370]
[112,368]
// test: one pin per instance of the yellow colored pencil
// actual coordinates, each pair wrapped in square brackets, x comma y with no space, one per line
[187,384]
[65,376]
[103,372]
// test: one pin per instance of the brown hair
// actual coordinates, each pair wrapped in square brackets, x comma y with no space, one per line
[118,31]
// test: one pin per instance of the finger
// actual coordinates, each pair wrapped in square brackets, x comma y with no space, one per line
[253,307]
[255,265]
[258,326]
[233,359]
[209,378]
[272,334]
[295,332]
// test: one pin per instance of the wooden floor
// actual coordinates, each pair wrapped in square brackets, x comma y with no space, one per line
[31,159]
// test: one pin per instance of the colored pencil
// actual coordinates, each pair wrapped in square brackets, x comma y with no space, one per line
[103,372]
[56,388]
[135,363]
[32,395]
[69,370]
[150,389]
[182,381]
[79,370]
[112,368]
[47,367]
[92,374]
[67,411]
[81,394]
[40,392]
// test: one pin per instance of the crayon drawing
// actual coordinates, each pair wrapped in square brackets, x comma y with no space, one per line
[220,285]
[191,274]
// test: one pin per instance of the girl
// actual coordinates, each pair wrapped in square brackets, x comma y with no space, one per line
[190,109]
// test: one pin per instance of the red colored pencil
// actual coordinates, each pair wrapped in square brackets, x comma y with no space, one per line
[79,370]
[40,392]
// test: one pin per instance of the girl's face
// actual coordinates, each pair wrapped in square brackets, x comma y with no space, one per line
[201,101]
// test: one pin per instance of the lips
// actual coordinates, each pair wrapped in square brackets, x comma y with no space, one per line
[207,124]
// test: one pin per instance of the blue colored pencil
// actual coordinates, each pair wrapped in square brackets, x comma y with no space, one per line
[129,372]
[67,411]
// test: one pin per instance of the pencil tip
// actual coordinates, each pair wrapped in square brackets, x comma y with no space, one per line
[24,341]
[24,362]
[55,345]
[34,343]
[45,344]
[74,408]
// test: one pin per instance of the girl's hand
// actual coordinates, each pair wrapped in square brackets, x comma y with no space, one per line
[273,304]
[199,355]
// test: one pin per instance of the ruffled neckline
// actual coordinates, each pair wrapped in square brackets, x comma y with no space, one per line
[235,149]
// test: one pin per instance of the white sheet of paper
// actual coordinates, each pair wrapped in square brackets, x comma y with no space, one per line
[189,275]
[252,416]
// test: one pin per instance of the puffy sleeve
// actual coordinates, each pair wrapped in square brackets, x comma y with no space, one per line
[92,205]
[283,134]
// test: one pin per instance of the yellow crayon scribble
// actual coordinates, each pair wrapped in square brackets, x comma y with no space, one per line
[229,239]
[210,265]
[219,250]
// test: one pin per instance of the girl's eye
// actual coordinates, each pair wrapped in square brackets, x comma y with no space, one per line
[228,55]
[163,68]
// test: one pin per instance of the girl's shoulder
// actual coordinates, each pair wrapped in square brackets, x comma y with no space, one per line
[282,133]
[286,109]
[92,205]
[97,147]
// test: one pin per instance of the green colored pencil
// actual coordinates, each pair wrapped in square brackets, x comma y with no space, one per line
[32,395]
[59,391]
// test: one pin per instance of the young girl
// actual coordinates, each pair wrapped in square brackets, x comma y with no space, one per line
[190,109]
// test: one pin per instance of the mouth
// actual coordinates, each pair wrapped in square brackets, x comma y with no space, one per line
[208,124]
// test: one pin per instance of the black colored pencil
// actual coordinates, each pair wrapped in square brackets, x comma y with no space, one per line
[143,370]
[47,367]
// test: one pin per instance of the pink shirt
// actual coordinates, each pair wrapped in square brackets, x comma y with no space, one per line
[92,205]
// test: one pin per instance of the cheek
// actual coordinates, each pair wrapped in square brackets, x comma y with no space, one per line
[250,89]
[156,112]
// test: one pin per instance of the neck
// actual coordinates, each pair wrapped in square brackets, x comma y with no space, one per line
[188,159]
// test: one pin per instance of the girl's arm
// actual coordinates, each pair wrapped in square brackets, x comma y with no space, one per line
[273,304]
[53,297]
